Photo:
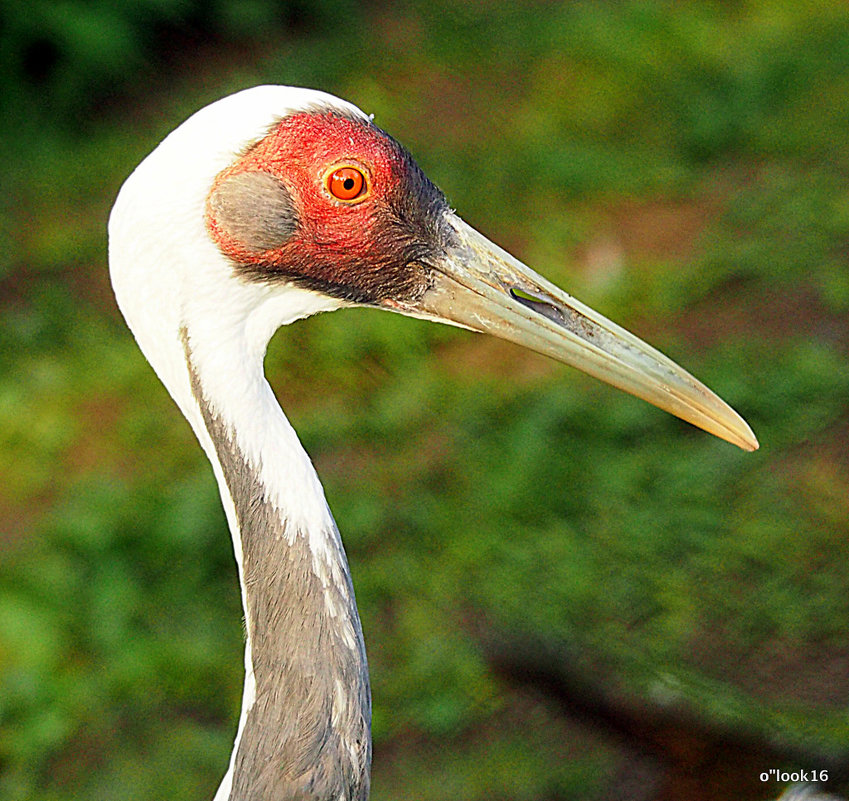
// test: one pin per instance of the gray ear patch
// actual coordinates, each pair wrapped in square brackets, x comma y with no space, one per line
[255,209]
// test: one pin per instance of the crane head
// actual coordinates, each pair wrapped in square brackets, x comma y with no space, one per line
[292,193]
[329,202]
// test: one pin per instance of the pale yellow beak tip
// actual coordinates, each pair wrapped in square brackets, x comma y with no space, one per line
[752,444]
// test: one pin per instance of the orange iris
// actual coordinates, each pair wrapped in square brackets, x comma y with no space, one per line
[346,183]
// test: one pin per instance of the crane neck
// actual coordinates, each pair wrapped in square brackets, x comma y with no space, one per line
[304,731]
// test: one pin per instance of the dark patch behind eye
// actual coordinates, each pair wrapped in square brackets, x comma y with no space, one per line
[255,209]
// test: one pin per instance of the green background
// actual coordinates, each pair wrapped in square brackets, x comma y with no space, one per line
[566,593]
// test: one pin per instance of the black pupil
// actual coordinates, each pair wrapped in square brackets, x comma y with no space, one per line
[348,183]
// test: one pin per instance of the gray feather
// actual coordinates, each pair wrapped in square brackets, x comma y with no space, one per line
[255,209]
[294,745]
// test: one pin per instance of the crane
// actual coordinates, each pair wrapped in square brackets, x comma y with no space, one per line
[263,208]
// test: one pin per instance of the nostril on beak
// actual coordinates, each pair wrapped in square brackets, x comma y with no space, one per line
[539,306]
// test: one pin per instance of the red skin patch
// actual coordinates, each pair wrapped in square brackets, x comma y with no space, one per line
[337,242]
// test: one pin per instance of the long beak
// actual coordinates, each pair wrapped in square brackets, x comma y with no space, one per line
[482,287]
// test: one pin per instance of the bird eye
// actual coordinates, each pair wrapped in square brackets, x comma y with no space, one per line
[346,183]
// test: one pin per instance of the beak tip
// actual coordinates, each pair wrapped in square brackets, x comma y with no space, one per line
[745,438]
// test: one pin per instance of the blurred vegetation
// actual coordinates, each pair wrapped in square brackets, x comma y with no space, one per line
[680,166]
